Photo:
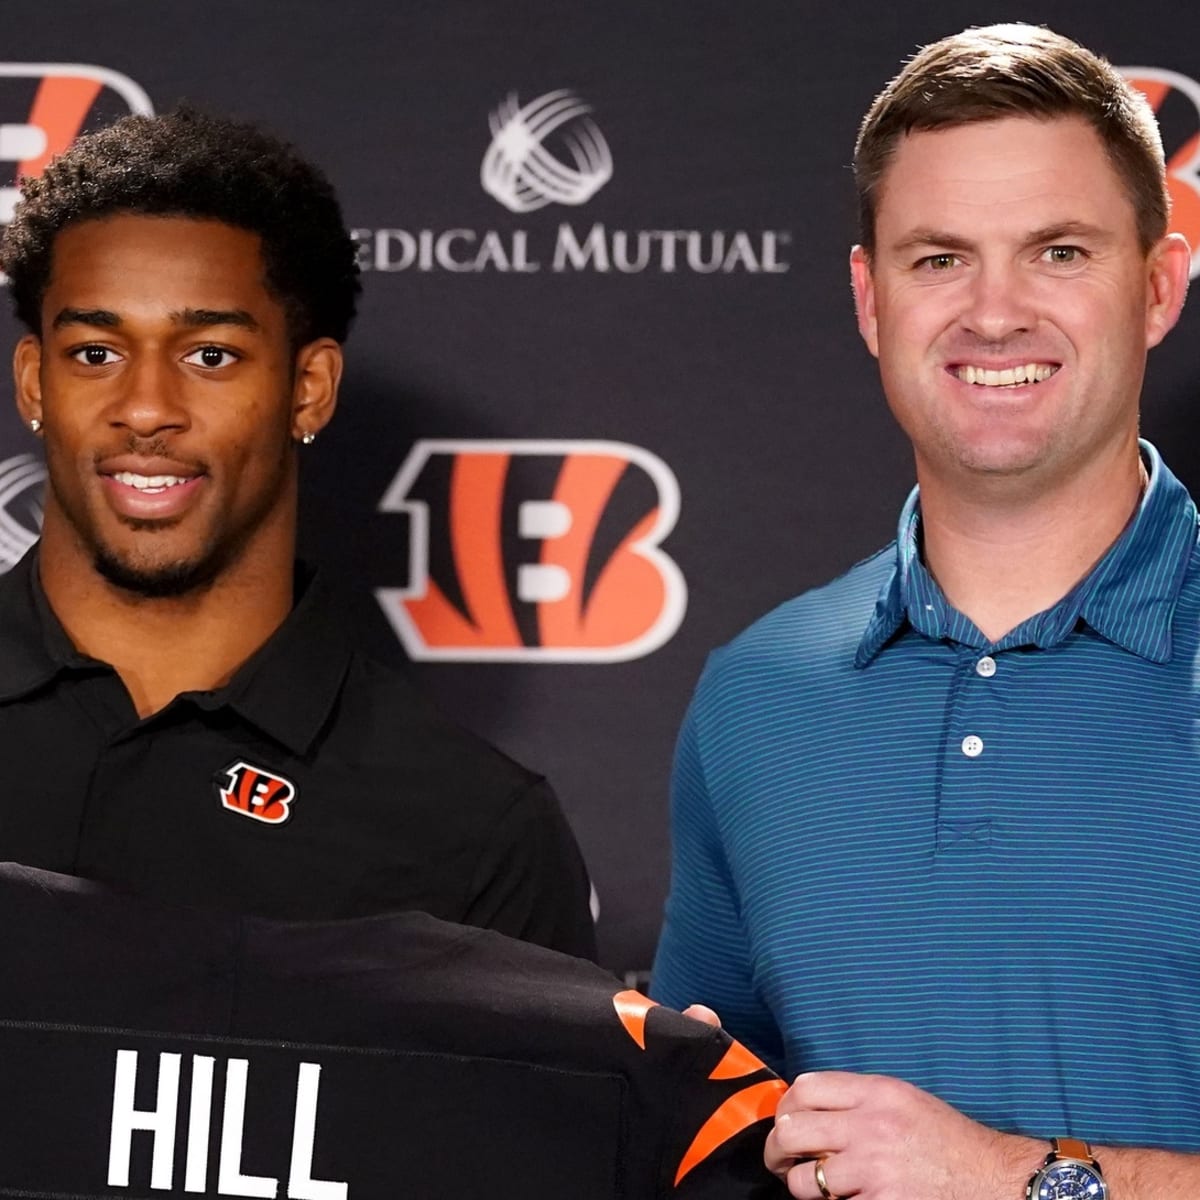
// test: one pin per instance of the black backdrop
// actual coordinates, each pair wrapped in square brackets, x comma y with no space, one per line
[732,381]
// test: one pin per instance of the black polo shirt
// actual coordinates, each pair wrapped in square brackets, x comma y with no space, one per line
[317,783]
[148,1051]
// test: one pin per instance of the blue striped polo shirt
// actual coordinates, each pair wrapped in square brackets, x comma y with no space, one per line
[901,848]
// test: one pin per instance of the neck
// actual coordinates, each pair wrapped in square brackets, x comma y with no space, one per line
[1002,553]
[162,646]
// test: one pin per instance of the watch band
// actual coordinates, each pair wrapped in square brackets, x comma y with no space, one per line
[1066,1150]
[1069,1147]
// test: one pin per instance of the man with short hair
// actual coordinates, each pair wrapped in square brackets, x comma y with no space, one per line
[935,833]
[181,711]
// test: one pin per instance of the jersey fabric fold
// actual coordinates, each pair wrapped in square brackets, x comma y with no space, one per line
[148,1050]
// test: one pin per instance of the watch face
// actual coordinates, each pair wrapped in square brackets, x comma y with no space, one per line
[1070,1181]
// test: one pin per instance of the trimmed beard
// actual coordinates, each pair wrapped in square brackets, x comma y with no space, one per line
[160,580]
[154,583]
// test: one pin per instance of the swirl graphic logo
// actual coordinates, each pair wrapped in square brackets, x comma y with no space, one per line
[21,481]
[548,152]
[1175,99]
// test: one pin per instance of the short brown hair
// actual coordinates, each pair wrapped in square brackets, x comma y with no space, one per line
[1015,71]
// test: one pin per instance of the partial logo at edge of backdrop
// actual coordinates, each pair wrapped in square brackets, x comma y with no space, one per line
[1161,88]
[44,107]
[21,481]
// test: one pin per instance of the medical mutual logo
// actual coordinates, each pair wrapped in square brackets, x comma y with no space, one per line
[1178,97]
[522,169]
[535,551]
[22,480]
[551,153]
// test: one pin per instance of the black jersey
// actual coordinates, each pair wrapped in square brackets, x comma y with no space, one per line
[149,1051]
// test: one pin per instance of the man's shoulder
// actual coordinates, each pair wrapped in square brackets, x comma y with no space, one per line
[823,624]
[389,719]
[24,661]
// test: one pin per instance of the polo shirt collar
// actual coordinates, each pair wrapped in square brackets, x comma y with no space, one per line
[1129,597]
[289,686]
[287,689]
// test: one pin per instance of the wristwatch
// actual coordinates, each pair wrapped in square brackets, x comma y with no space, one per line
[1070,1172]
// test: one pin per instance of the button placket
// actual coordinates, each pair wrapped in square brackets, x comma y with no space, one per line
[965,797]
[972,744]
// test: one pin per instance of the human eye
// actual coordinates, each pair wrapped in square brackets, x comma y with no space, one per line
[211,357]
[93,355]
[1063,256]
[943,261]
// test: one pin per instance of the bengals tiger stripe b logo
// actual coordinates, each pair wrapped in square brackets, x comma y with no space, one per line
[535,551]
[256,793]
[1175,99]
[43,109]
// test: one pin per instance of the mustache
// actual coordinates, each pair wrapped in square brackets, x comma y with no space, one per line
[151,447]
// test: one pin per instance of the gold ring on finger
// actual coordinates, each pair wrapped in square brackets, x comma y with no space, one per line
[822,1182]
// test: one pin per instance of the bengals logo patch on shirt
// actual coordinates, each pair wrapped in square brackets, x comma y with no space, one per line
[255,792]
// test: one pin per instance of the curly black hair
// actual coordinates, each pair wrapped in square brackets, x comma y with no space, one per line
[190,164]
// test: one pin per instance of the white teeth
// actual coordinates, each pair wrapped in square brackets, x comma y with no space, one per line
[1009,377]
[148,483]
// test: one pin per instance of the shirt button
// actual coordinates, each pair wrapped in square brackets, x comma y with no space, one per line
[986,666]
[972,746]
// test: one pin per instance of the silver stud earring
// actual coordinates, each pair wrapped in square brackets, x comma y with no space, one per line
[35,425]
[308,437]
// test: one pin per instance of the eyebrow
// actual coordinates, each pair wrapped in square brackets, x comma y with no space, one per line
[1047,235]
[86,316]
[931,237]
[1069,229]
[195,318]
[189,318]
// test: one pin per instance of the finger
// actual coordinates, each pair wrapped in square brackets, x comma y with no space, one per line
[818,1092]
[804,1135]
[704,1014]
[829,1090]
[802,1182]
[825,1172]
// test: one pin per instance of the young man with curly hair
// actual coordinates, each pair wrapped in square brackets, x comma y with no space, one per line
[181,710]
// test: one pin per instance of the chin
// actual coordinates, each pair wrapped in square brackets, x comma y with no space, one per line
[156,580]
[999,454]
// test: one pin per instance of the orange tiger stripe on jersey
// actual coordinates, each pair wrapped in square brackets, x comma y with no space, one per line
[738,1113]
[738,1061]
[632,1008]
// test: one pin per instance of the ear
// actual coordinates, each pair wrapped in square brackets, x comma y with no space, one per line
[863,284]
[1168,263]
[318,372]
[27,378]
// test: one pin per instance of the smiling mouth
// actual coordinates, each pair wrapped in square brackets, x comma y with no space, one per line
[151,485]
[1007,377]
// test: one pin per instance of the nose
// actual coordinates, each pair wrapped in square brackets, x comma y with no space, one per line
[1000,303]
[150,399]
